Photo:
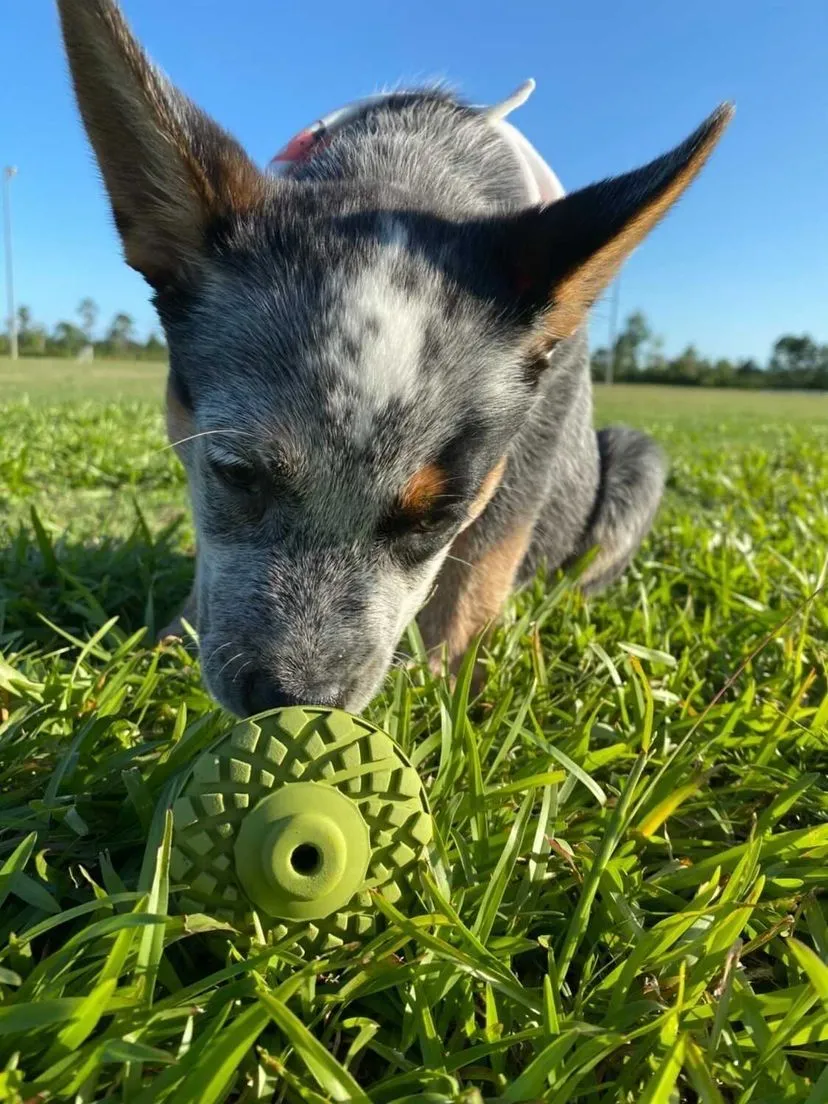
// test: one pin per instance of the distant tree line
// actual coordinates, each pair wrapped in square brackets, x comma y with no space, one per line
[795,363]
[75,339]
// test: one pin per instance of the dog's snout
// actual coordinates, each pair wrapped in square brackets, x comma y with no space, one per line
[262,691]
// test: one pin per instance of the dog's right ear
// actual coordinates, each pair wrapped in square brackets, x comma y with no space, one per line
[170,171]
[560,258]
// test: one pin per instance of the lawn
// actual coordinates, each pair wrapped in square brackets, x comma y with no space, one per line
[627,899]
[52,379]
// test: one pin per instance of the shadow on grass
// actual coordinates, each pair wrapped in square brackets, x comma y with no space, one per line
[78,586]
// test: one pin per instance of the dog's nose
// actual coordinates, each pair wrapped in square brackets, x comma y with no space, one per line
[262,692]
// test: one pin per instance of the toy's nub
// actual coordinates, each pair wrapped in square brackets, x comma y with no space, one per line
[303,852]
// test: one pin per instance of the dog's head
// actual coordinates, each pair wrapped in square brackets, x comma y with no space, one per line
[348,365]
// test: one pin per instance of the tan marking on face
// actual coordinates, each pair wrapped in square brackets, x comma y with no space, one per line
[423,489]
[179,419]
[487,489]
[574,295]
[469,596]
[488,585]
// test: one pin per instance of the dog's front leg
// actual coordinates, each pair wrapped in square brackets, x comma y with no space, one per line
[470,593]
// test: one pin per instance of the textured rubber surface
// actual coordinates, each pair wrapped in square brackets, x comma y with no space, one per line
[260,755]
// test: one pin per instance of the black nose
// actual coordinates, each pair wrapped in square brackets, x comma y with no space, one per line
[262,692]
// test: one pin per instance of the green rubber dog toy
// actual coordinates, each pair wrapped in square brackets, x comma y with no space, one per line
[298,814]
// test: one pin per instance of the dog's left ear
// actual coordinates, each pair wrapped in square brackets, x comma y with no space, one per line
[560,258]
[170,171]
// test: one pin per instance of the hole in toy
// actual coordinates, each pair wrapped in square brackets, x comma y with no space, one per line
[306,859]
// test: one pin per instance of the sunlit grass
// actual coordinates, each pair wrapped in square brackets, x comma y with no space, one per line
[627,902]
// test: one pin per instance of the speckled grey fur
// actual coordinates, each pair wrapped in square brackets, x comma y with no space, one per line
[360,321]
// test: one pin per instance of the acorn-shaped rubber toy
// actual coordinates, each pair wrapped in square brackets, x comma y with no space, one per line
[298,814]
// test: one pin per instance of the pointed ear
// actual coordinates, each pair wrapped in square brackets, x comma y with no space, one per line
[562,257]
[169,169]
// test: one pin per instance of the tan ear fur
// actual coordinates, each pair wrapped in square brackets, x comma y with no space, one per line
[169,169]
[580,288]
[560,258]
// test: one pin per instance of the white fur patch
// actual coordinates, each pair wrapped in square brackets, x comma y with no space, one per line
[388,328]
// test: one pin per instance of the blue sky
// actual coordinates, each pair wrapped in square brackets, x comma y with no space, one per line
[742,259]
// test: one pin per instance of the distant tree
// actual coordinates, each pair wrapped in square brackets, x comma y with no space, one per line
[722,374]
[630,344]
[35,341]
[795,359]
[687,367]
[32,337]
[654,359]
[88,313]
[155,348]
[68,339]
[598,364]
[822,369]
[748,367]
[120,333]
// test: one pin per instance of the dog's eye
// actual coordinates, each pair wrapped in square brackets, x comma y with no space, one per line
[427,525]
[241,476]
[401,525]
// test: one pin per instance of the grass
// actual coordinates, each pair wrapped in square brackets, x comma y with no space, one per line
[628,900]
[50,379]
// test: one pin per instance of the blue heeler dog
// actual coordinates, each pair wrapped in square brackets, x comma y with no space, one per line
[379,382]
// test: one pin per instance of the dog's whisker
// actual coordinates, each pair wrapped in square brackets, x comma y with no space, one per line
[216,651]
[232,659]
[457,559]
[247,663]
[204,433]
[404,666]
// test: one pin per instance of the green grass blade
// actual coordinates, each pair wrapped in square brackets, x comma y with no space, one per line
[151,947]
[612,837]
[660,1087]
[330,1075]
[207,1082]
[813,966]
[502,874]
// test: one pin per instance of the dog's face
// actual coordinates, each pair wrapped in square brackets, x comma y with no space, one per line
[350,404]
[348,367]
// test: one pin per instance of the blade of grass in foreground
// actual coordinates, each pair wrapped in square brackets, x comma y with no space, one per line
[612,837]
[499,881]
[329,1074]
[813,966]
[151,946]
[532,1082]
[207,1082]
[15,863]
[663,1082]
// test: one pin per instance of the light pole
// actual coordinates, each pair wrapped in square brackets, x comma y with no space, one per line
[9,172]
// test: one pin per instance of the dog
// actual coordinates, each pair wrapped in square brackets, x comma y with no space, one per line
[379,378]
